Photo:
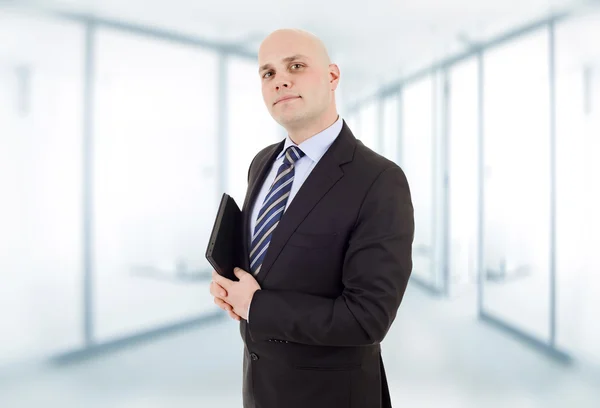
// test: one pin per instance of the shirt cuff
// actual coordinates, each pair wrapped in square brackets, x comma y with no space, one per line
[248,314]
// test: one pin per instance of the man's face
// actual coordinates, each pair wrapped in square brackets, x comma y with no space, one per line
[295,79]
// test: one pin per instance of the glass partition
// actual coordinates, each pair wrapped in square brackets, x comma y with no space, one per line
[418,161]
[155,181]
[41,220]
[517,175]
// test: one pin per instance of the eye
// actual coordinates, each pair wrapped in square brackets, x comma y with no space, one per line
[297,65]
[266,75]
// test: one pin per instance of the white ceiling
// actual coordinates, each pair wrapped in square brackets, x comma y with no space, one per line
[373,41]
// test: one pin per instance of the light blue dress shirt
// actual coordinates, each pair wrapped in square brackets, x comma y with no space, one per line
[314,148]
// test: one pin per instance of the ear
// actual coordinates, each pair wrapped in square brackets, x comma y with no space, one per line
[334,76]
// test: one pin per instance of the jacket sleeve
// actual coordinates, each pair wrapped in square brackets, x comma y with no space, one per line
[377,266]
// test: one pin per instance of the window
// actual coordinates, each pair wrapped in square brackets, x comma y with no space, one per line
[155,181]
[463,135]
[41,89]
[517,184]
[417,161]
[390,128]
[367,132]
[577,184]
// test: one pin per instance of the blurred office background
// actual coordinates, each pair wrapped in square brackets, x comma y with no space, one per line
[122,122]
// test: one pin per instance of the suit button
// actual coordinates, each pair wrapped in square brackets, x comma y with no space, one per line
[253,356]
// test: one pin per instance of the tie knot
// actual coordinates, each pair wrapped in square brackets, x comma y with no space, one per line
[292,154]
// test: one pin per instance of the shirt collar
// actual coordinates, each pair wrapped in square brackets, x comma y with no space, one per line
[315,147]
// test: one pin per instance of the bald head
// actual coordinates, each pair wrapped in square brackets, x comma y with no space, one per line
[291,38]
[298,80]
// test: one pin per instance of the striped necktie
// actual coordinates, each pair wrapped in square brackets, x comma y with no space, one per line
[272,208]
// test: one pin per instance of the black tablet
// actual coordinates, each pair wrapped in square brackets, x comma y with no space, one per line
[224,250]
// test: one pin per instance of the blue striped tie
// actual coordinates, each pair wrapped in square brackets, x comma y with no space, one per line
[272,208]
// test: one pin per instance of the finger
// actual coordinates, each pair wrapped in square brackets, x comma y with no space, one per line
[221,280]
[220,290]
[234,316]
[223,305]
[217,290]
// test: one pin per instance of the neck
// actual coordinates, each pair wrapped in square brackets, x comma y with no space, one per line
[306,131]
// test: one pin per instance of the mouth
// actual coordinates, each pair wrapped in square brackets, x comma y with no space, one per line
[286,98]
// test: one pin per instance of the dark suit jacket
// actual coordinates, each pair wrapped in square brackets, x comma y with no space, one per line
[332,280]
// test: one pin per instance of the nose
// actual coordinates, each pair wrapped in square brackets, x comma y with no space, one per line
[282,84]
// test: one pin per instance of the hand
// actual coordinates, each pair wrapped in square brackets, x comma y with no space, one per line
[237,295]
[218,289]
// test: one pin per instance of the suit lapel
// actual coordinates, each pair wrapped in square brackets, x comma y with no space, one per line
[323,177]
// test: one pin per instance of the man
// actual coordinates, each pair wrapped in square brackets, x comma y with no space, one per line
[328,232]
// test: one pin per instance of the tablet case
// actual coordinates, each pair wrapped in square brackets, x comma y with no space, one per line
[224,250]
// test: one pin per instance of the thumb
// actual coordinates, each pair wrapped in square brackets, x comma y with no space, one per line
[239,272]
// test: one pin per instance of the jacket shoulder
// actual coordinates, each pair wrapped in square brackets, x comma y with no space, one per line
[372,162]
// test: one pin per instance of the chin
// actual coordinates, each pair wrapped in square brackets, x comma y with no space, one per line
[289,118]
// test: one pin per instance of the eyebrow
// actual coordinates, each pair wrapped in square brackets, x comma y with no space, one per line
[286,59]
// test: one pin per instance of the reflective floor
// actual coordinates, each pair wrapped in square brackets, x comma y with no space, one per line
[437,354]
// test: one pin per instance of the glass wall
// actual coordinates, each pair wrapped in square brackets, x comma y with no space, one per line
[368,128]
[154,184]
[353,121]
[41,91]
[463,167]
[517,184]
[417,162]
[155,181]
[390,134]
[577,184]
